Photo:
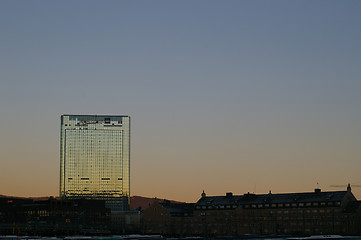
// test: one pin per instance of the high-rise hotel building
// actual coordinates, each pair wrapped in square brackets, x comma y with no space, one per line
[94,159]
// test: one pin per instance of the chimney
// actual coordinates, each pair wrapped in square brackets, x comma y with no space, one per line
[229,194]
[317,190]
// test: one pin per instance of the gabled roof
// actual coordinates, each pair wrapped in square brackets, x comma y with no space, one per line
[270,198]
[178,208]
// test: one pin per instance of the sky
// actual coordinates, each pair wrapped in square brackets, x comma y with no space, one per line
[224,96]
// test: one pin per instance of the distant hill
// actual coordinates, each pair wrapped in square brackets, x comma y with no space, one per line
[135,201]
[5,196]
[34,198]
[144,202]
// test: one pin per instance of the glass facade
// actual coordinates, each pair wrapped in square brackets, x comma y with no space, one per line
[94,159]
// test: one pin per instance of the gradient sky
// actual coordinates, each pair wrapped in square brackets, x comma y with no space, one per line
[241,96]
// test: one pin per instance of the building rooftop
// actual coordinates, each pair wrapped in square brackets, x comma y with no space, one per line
[250,198]
[178,208]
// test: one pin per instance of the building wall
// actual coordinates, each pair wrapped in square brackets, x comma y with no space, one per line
[126,222]
[156,220]
[280,219]
[53,217]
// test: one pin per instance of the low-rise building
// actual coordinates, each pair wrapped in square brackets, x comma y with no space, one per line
[309,213]
[52,217]
[168,219]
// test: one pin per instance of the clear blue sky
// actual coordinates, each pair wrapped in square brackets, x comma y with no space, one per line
[241,96]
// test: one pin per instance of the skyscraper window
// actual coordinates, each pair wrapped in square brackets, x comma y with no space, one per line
[94,159]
